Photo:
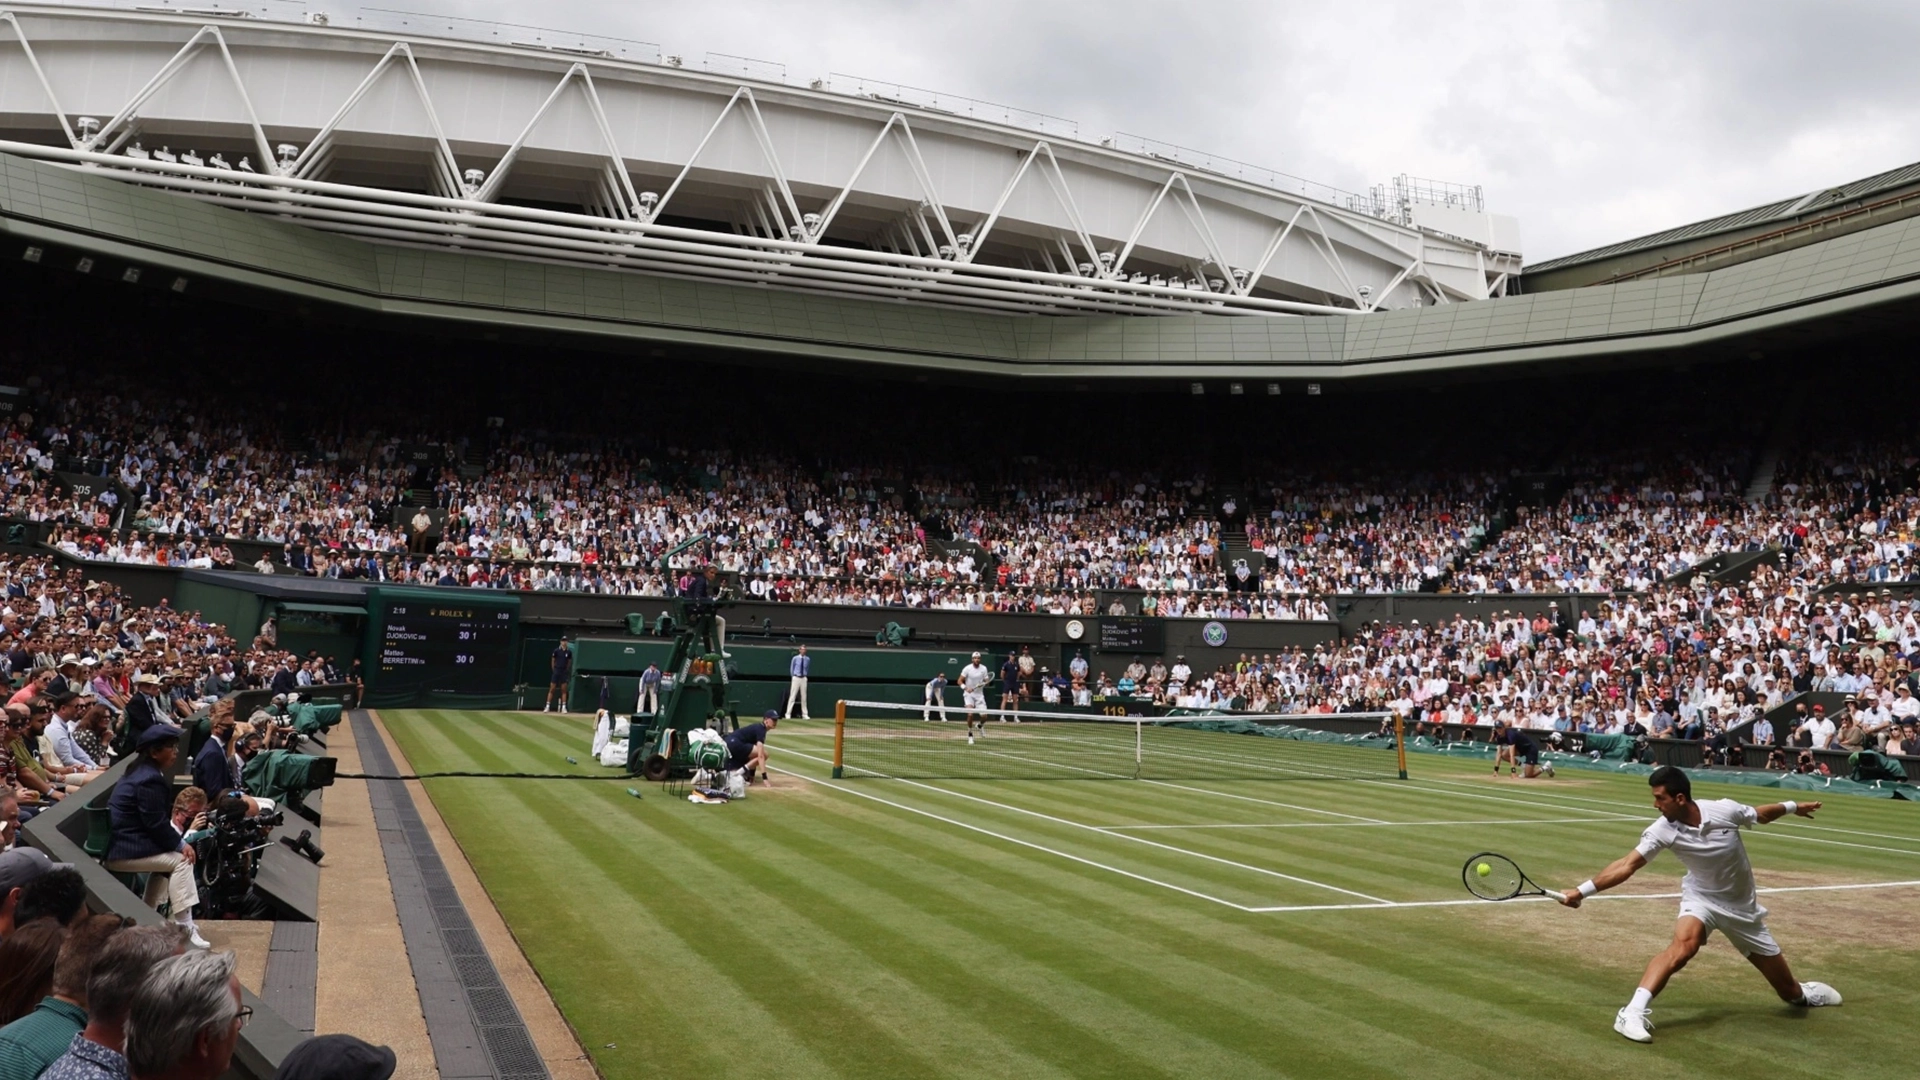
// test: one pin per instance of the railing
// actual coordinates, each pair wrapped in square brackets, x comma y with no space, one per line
[745,67]
[893,93]
[1201,161]
[500,33]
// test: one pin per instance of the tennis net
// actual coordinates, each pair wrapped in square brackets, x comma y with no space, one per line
[889,740]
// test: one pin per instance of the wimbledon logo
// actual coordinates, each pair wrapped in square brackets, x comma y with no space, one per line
[1214,633]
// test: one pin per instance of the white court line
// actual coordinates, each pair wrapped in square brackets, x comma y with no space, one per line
[1589,900]
[1008,839]
[1122,836]
[1372,824]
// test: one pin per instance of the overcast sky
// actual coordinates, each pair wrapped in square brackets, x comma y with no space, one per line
[1589,122]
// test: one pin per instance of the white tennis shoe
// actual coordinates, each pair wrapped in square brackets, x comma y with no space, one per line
[1814,994]
[1636,1024]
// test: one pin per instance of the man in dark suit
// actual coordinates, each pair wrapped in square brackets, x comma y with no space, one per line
[284,680]
[212,769]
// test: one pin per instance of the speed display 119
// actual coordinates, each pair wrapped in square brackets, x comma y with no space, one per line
[459,647]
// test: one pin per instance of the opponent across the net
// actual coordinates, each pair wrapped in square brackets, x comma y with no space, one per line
[892,740]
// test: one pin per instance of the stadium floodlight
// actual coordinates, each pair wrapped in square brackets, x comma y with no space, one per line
[179,284]
[246,165]
[1158,281]
[472,179]
[164,154]
[137,151]
[288,152]
[946,251]
[811,222]
[188,157]
[131,275]
[1366,293]
[1236,389]
[964,240]
[219,162]
[1273,389]
[1313,389]
[1198,389]
[1239,276]
[648,201]
[32,254]
[1106,260]
[89,127]
[85,265]
[1086,269]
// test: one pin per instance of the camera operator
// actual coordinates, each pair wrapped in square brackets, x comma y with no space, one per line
[229,845]
[144,840]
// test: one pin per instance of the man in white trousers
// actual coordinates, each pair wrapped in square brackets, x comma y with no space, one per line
[797,669]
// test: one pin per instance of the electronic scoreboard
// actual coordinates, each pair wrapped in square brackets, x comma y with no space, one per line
[1131,634]
[441,641]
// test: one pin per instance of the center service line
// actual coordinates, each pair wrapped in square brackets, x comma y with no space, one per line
[1124,836]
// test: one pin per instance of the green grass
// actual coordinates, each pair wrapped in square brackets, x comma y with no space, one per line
[974,928]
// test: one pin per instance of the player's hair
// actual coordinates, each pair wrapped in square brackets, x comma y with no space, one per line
[1671,779]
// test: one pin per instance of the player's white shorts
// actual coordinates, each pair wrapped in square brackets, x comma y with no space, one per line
[975,699]
[1747,933]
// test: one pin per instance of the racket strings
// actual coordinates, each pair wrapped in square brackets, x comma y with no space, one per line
[1501,881]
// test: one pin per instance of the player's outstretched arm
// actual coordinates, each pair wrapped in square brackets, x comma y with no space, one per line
[1616,872]
[1776,811]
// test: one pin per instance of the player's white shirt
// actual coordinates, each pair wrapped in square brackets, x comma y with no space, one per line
[1718,873]
[974,676]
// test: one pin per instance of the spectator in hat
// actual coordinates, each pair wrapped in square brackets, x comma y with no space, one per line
[185,1018]
[337,1057]
[20,868]
[144,840]
[35,1041]
[146,708]
[1818,730]
[119,968]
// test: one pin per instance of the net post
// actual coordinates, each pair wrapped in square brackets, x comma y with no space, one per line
[840,740]
[1139,726]
[1400,741]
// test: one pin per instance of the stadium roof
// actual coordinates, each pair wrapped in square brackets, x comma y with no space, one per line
[1640,254]
[1856,284]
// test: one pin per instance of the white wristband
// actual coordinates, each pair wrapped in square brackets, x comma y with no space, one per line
[1588,888]
[1791,806]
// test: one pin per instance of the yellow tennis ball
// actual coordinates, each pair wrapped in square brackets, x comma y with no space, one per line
[1483,869]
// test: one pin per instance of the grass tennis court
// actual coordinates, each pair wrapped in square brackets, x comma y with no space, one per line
[1151,928]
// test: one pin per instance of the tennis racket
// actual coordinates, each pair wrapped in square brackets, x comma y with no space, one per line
[1503,879]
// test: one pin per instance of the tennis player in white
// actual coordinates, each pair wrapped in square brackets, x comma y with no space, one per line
[973,694]
[1716,894]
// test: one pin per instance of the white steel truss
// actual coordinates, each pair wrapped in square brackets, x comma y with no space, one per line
[782,231]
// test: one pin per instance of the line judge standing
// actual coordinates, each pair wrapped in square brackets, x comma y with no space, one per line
[797,669]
